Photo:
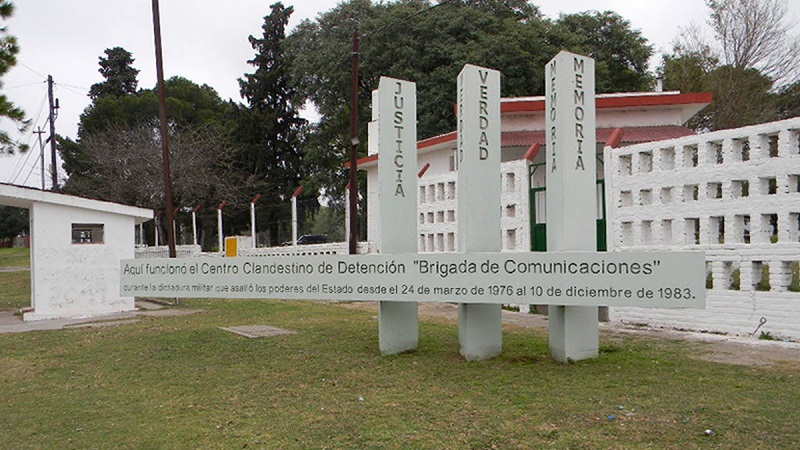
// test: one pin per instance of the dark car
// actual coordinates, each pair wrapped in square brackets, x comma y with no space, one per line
[307,239]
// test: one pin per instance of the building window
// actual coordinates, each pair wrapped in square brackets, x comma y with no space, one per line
[741,188]
[511,210]
[741,148]
[715,153]
[772,145]
[717,230]
[768,186]
[87,233]
[511,182]
[691,193]
[668,158]
[645,162]
[666,195]
[714,190]
[666,231]
[645,197]
[693,231]
[625,165]
[690,156]
[625,198]
[647,232]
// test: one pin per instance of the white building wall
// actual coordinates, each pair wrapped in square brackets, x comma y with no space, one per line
[437,210]
[734,194]
[77,279]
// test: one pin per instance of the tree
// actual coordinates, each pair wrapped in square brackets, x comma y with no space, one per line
[429,43]
[13,221]
[748,68]
[621,53]
[788,102]
[429,48]
[126,166]
[188,104]
[119,74]
[757,34]
[8,59]
[268,130]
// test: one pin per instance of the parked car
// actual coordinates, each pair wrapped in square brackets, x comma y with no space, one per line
[308,239]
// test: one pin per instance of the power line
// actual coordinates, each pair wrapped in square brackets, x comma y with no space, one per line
[44,77]
[73,86]
[18,169]
[38,158]
[71,89]
[22,86]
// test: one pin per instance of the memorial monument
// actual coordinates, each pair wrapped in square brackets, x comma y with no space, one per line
[571,276]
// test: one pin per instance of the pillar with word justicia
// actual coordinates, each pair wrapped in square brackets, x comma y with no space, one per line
[398,322]
[480,325]
[571,192]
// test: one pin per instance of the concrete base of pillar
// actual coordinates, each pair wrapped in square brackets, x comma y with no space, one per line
[480,331]
[574,332]
[398,327]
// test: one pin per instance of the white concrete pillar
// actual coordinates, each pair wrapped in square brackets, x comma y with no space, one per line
[480,326]
[571,174]
[398,322]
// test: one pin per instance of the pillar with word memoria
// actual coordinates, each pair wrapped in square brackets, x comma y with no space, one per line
[480,325]
[571,192]
[398,321]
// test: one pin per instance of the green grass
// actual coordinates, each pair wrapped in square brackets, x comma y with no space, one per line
[15,287]
[15,257]
[180,382]
[15,290]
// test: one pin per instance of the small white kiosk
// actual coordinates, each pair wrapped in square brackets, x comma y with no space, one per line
[76,246]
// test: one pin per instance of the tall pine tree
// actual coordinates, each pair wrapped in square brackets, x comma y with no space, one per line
[268,129]
[8,59]
[120,76]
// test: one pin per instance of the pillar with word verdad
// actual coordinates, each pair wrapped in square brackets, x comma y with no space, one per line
[571,191]
[398,322]
[480,325]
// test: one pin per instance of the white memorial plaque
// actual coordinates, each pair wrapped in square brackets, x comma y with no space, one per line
[660,280]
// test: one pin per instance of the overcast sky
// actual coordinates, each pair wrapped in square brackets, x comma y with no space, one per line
[204,41]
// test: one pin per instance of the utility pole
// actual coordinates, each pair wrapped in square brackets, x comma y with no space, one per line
[40,132]
[53,107]
[162,109]
[353,238]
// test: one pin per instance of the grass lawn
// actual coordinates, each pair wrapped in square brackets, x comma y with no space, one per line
[180,382]
[15,286]
[15,257]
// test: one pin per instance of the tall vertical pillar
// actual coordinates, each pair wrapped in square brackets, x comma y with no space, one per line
[571,196]
[398,322]
[480,326]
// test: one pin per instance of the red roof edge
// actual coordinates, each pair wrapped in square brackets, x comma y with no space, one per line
[530,155]
[615,138]
[654,99]
[436,140]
